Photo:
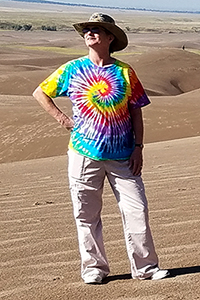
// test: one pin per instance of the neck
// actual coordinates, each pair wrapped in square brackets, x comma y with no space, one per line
[100,59]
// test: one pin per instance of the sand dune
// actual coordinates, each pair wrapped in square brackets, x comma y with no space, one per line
[168,71]
[163,71]
[27,132]
[40,259]
[39,251]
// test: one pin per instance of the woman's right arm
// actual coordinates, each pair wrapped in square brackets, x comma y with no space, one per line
[47,103]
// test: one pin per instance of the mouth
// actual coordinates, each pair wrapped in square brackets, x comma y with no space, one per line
[90,38]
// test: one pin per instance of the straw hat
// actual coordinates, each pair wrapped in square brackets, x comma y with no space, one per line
[98,19]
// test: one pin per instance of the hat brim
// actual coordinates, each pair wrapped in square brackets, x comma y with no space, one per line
[120,42]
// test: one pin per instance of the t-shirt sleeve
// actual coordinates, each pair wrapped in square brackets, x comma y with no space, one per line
[57,83]
[138,96]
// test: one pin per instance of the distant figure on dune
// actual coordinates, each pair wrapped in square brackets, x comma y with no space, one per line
[183,47]
[106,141]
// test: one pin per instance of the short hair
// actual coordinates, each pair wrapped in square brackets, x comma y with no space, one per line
[111,45]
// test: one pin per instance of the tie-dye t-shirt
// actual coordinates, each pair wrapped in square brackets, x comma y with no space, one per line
[101,98]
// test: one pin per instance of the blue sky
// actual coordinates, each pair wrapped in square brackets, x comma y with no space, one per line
[181,5]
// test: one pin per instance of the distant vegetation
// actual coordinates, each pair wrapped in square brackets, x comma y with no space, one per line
[62,20]
[59,26]
[24,27]
[10,26]
[49,28]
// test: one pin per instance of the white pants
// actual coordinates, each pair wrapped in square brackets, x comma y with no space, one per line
[86,178]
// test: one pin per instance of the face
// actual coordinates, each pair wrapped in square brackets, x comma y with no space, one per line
[97,36]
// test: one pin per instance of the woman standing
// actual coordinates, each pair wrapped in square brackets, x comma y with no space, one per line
[106,141]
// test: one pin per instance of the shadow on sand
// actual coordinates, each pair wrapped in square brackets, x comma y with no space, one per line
[184,271]
[173,273]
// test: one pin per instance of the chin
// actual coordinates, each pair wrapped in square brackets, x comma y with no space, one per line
[90,43]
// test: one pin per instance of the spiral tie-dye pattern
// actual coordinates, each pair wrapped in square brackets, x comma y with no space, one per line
[101,97]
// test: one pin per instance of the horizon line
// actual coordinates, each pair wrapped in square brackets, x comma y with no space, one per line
[109,7]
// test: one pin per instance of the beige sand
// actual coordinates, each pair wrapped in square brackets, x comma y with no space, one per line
[39,251]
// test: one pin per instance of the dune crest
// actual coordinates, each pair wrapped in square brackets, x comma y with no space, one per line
[169,71]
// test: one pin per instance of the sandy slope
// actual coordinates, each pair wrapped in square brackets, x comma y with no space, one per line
[39,256]
[177,71]
[27,132]
[27,58]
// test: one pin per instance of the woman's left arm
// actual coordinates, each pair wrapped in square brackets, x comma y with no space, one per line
[136,159]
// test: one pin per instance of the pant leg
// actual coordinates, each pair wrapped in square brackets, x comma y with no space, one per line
[86,178]
[130,193]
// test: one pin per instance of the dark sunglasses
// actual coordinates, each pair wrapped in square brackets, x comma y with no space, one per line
[92,30]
